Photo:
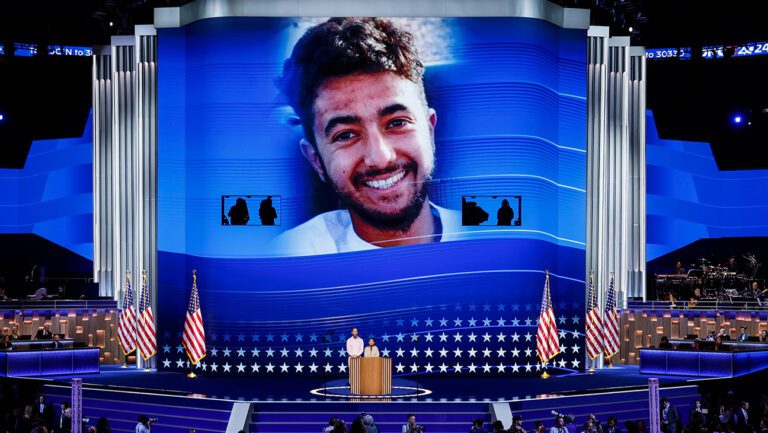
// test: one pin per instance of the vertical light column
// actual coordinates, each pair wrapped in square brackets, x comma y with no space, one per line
[146,158]
[124,157]
[617,148]
[102,171]
[637,283]
[597,91]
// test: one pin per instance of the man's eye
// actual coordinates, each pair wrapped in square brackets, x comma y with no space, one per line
[343,136]
[397,123]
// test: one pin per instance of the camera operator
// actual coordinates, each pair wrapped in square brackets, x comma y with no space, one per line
[145,424]
[412,427]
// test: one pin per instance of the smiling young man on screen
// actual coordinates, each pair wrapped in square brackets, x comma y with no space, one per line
[356,84]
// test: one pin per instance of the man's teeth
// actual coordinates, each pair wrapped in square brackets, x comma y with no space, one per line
[385,183]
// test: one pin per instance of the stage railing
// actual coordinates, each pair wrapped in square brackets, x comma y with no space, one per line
[59,304]
[699,306]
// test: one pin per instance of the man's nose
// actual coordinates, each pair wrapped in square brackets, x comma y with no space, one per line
[379,153]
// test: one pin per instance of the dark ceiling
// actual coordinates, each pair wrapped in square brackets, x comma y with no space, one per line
[692,100]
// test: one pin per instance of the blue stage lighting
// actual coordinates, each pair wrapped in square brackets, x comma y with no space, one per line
[737,119]
[2,117]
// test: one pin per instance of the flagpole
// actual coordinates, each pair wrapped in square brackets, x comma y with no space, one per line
[145,297]
[125,355]
[191,374]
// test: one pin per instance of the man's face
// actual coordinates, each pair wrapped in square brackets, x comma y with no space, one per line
[354,332]
[411,420]
[47,327]
[56,337]
[375,145]
[371,342]
[559,422]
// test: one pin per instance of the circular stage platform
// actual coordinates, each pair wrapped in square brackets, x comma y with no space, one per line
[340,389]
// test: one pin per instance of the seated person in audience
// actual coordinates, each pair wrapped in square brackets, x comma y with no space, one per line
[56,343]
[15,332]
[664,343]
[720,346]
[613,425]
[724,334]
[517,425]
[743,335]
[331,425]
[559,426]
[764,336]
[5,339]
[589,427]
[711,336]
[45,333]
[3,295]
[477,426]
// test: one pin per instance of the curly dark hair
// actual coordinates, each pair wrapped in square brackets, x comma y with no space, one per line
[345,46]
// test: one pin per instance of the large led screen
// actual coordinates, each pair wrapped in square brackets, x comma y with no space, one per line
[378,136]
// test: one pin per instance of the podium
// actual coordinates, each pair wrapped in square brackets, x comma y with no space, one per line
[370,376]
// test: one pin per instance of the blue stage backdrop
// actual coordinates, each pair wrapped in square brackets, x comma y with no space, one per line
[52,196]
[689,198]
[510,98]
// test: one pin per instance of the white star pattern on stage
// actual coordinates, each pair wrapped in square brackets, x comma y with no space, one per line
[503,340]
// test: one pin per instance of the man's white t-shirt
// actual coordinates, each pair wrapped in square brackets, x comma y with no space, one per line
[354,346]
[333,232]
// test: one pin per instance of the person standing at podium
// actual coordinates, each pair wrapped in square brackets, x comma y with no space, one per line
[354,345]
[354,350]
[371,351]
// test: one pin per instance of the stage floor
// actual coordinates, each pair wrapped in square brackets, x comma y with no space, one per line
[447,388]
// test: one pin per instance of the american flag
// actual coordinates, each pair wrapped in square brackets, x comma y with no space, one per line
[611,322]
[547,343]
[194,334]
[147,334]
[594,325]
[126,329]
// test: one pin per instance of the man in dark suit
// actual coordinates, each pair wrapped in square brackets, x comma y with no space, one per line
[743,335]
[56,344]
[43,412]
[742,417]
[669,417]
[45,333]
[697,417]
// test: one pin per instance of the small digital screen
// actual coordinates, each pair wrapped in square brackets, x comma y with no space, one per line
[250,210]
[491,210]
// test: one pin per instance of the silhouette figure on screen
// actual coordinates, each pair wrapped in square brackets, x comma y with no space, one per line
[267,212]
[505,214]
[471,213]
[238,214]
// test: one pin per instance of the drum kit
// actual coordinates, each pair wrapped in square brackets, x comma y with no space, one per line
[714,281]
